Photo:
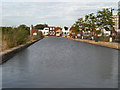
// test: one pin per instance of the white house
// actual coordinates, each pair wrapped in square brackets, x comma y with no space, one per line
[65,31]
[106,33]
[45,31]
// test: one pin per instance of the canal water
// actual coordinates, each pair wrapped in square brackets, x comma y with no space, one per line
[62,63]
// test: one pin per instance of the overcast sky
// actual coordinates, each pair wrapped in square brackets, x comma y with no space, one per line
[51,12]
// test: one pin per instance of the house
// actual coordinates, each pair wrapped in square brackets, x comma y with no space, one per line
[98,32]
[86,33]
[65,31]
[45,31]
[58,32]
[105,33]
[52,31]
[79,34]
[71,32]
[33,32]
[92,32]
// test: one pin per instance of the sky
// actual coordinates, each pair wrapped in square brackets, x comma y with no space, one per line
[52,12]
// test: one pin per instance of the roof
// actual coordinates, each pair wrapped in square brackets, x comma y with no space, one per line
[71,28]
[51,27]
[34,30]
[57,28]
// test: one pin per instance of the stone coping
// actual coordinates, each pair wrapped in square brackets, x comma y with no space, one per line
[113,45]
[9,53]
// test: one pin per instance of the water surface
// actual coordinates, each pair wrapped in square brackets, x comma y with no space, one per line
[62,63]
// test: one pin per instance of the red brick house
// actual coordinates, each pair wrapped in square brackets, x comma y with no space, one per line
[58,32]
[33,31]
[71,32]
[52,31]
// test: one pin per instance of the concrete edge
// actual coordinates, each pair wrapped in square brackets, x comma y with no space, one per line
[9,53]
[112,45]
[99,43]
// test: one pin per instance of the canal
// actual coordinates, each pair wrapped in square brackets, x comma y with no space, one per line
[62,63]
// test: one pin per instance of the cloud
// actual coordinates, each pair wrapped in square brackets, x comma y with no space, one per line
[53,13]
[59,1]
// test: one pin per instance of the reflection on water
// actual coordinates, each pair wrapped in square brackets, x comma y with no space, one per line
[57,63]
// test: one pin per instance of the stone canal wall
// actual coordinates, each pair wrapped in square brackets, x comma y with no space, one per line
[9,53]
[100,43]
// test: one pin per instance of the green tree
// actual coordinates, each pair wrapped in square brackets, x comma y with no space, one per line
[104,19]
[90,22]
[78,24]
[24,27]
[40,26]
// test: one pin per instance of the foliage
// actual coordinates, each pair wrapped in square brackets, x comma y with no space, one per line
[105,39]
[98,31]
[78,24]
[12,36]
[39,35]
[104,19]
[41,26]
[24,27]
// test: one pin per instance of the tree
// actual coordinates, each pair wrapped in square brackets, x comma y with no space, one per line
[78,24]
[24,27]
[41,26]
[104,19]
[90,21]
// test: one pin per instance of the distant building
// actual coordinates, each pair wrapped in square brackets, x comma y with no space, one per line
[45,31]
[52,31]
[79,34]
[71,34]
[65,31]
[58,32]
[119,15]
[105,33]
[33,31]
[116,22]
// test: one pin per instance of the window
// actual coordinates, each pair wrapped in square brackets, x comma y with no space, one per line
[53,32]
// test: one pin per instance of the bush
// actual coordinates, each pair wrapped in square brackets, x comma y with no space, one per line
[39,35]
[102,38]
[12,37]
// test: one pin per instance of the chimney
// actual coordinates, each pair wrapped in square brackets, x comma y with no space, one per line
[31,30]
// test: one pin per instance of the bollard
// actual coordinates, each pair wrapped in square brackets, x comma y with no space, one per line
[110,39]
[92,38]
[82,37]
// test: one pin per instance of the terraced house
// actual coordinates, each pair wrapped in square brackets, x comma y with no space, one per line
[58,32]
[65,31]
[52,31]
